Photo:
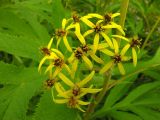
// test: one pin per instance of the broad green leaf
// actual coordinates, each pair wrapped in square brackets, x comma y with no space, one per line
[17,90]
[48,110]
[153,74]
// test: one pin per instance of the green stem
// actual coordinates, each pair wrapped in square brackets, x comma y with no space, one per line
[150,33]
[99,97]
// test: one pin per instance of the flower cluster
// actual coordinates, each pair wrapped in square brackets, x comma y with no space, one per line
[86,39]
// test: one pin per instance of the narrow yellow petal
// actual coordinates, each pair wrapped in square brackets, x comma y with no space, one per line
[118,27]
[50,43]
[121,37]
[124,50]
[87,22]
[67,44]
[134,55]
[60,91]
[102,46]
[64,22]
[67,68]
[87,61]
[107,52]
[115,15]
[57,71]
[49,68]
[108,40]
[95,15]
[116,46]
[58,42]
[88,32]
[80,102]
[71,58]
[79,108]
[65,79]
[87,79]
[58,53]
[96,58]
[90,90]
[77,27]
[125,58]
[95,42]
[60,101]
[70,26]
[106,67]
[121,68]
[80,37]
[41,62]
[74,68]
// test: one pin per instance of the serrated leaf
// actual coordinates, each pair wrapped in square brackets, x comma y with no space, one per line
[48,110]
[15,96]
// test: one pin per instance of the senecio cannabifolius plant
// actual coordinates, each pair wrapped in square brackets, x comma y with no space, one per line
[96,40]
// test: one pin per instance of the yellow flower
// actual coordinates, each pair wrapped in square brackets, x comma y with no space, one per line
[76,91]
[62,34]
[116,58]
[133,43]
[57,62]
[48,54]
[100,29]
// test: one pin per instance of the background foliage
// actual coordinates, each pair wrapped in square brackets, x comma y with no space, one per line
[26,25]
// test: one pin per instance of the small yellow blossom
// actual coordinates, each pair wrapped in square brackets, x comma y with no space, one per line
[76,91]
[117,58]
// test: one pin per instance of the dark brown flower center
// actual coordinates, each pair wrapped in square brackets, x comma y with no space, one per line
[46,51]
[117,58]
[98,29]
[50,82]
[135,42]
[72,102]
[85,48]
[78,53]
[107,18]
[76,18]
[60,33]
[58,62]
[76,90]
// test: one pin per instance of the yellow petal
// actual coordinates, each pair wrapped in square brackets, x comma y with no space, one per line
[118,27]
[50,43]
[41,62]
[67,68]
[58,53]
[116,46]
[60,91]
[107,52]
[90,90]
[106,67]
[134,55]
[57,71]
[65,79]
[95,15]
[60,101]
[80,37]
[80,102]
[70,26]
[71,58]
[74,68]
[79,108]
[125,58]
[102,46]
[121,37]
[87,79]
[108,40]
[88,32]
[87,22]
[77,27]
[115,15]
[67,44]
[124,50]
[49,67]
[96,42]
[64,22]
[96,58]
[87,61]
[121,68]
[58,42]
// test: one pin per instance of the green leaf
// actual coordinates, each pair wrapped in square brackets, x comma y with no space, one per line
[17,90]
[48,110]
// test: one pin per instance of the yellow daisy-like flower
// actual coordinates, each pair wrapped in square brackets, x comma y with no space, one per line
[76,91]
[62,34]
[57,62]
[117,58]
[100,29]
[48,54]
